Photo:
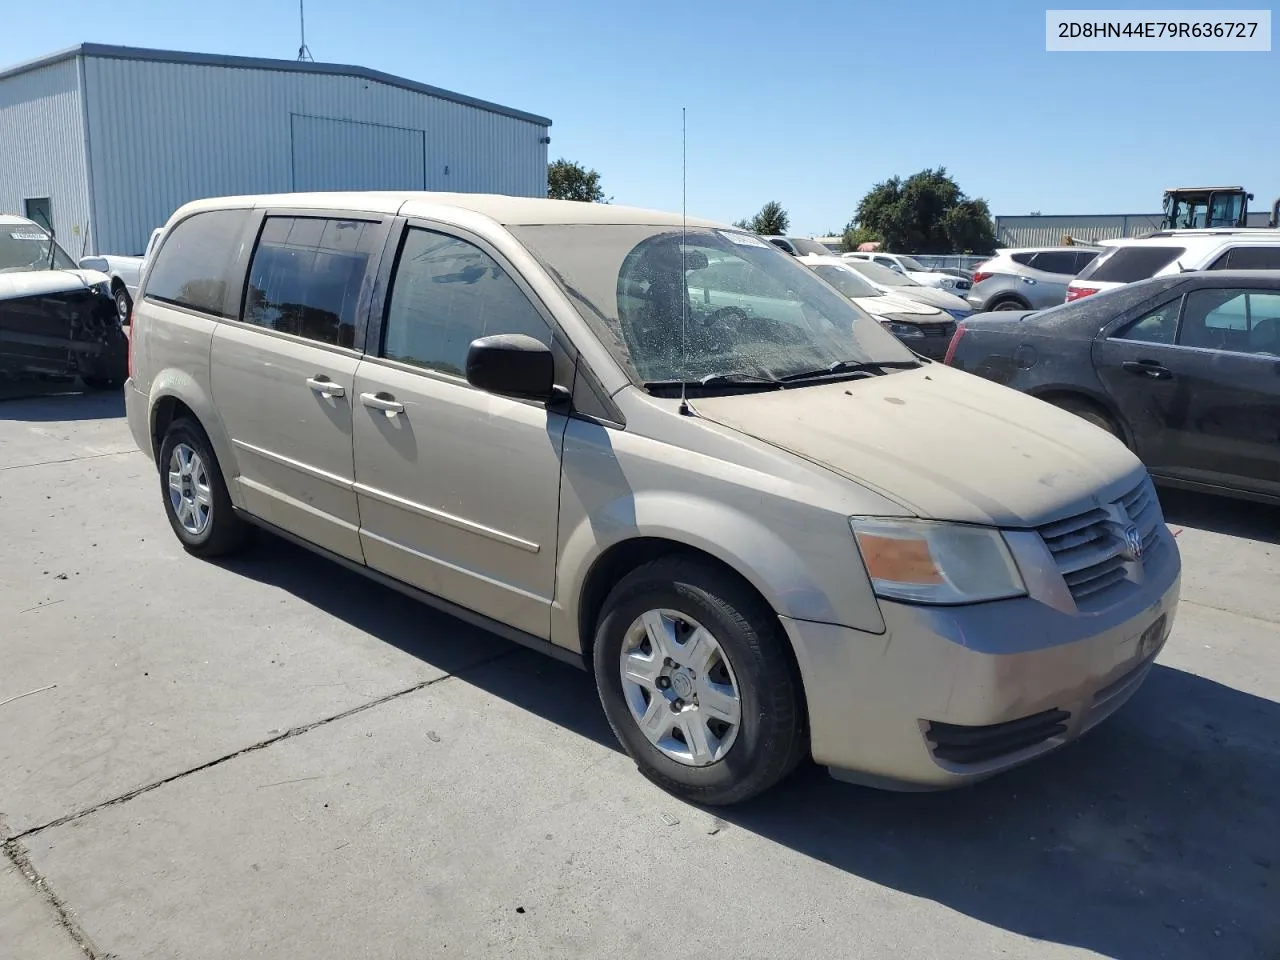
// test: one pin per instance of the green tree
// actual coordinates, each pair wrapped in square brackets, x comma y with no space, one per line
[854,235]
[771,221]
[572,181]
[926,213]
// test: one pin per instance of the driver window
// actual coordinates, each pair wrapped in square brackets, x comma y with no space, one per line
[1155,326]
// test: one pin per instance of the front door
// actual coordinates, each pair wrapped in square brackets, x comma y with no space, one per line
[1136,364]
[458,489]
[283,375]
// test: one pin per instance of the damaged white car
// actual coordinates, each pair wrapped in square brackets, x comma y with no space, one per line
[57,321]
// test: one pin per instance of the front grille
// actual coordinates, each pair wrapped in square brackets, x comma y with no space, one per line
[961,744]
[1089,547]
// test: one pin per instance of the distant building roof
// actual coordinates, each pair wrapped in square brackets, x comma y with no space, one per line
[111,52]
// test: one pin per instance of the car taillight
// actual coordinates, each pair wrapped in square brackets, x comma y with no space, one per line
[955,340]
[1075,293]
[979,274]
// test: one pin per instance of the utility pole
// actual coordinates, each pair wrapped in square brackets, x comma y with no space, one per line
[304,52]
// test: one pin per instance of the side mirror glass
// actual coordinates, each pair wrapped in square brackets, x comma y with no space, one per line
[513,365]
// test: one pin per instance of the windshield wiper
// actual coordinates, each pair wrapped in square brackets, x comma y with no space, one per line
[719,379]
[875,367]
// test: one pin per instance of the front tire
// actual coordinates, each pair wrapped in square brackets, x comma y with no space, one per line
[698,683]
[124,303]
[195,495]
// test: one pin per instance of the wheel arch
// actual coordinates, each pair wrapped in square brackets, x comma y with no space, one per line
[174,394]
[1092,398]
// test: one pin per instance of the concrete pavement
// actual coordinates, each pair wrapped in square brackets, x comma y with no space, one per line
[273,756]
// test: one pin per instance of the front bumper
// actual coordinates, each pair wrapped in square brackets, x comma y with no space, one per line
[951,695]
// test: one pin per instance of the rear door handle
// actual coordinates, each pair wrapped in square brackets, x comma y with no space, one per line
[323,385]
[1147,368]
[382,401]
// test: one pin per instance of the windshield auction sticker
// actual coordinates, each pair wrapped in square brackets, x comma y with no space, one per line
[1158,30]
[27,236]
[742,239]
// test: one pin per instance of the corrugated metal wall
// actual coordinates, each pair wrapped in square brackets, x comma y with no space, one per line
[42,149]
[1047,231]
[165,133]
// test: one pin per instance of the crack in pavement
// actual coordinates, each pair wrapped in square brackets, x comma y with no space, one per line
[87,456]
[16,854]
[1235,613]
[287,735]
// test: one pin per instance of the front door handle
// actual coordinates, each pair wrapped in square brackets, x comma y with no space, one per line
[382,401]
[326,387]
[1147,368]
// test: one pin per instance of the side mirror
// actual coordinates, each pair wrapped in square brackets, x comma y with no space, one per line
[95,263]
[513,365]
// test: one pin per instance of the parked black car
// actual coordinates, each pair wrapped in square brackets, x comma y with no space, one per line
[56,320]
[1185,369]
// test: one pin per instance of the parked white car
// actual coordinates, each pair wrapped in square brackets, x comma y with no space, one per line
[125,272]
[891,281]
[925,329]
[1129,260]
[914,269]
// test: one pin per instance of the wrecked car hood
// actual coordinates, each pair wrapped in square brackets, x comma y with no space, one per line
[944,444]
[39,283]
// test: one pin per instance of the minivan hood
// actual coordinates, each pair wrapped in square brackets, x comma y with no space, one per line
[944,444]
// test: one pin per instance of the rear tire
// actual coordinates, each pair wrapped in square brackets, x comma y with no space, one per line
[742,728]
[1008,304]
[1090,412]
[195,495]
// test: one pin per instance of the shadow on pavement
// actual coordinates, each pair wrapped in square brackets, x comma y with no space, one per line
[43,403]
[1236,518]
[1153,837]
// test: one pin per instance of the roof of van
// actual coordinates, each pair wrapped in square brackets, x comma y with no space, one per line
[1198,239]
[509,211]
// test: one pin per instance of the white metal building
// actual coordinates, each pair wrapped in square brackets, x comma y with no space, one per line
[111,140]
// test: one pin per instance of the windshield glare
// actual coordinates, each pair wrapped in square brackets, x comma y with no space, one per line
[846,281]
[726,303]
[909,264]
[27,248]
[881,275]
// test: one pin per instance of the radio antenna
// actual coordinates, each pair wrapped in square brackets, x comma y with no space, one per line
[684,272]
[304,52]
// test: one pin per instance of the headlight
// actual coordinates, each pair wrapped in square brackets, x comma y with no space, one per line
[948,283]
[902,330]
[923,561]
[104,288]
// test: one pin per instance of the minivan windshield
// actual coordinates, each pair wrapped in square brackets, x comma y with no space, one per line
[722,304]
[845,280]
[882,275]
[27,248]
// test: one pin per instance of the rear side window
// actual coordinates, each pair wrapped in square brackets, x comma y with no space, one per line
[1249,258]
[1084,258]
[306,276]
[1128,264]
[1022,258]
[194,263]
[1056,261]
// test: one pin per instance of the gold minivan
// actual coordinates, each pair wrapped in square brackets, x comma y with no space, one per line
[663,450]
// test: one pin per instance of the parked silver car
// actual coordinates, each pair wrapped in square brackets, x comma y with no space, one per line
[1028,278]
[666,451]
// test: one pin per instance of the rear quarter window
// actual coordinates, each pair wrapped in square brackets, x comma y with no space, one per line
[195,261]
[1128,264]
[1249,258]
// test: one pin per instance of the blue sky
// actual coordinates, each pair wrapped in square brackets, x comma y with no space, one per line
[809,104]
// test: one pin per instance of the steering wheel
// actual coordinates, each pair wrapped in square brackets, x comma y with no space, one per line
[725,313]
